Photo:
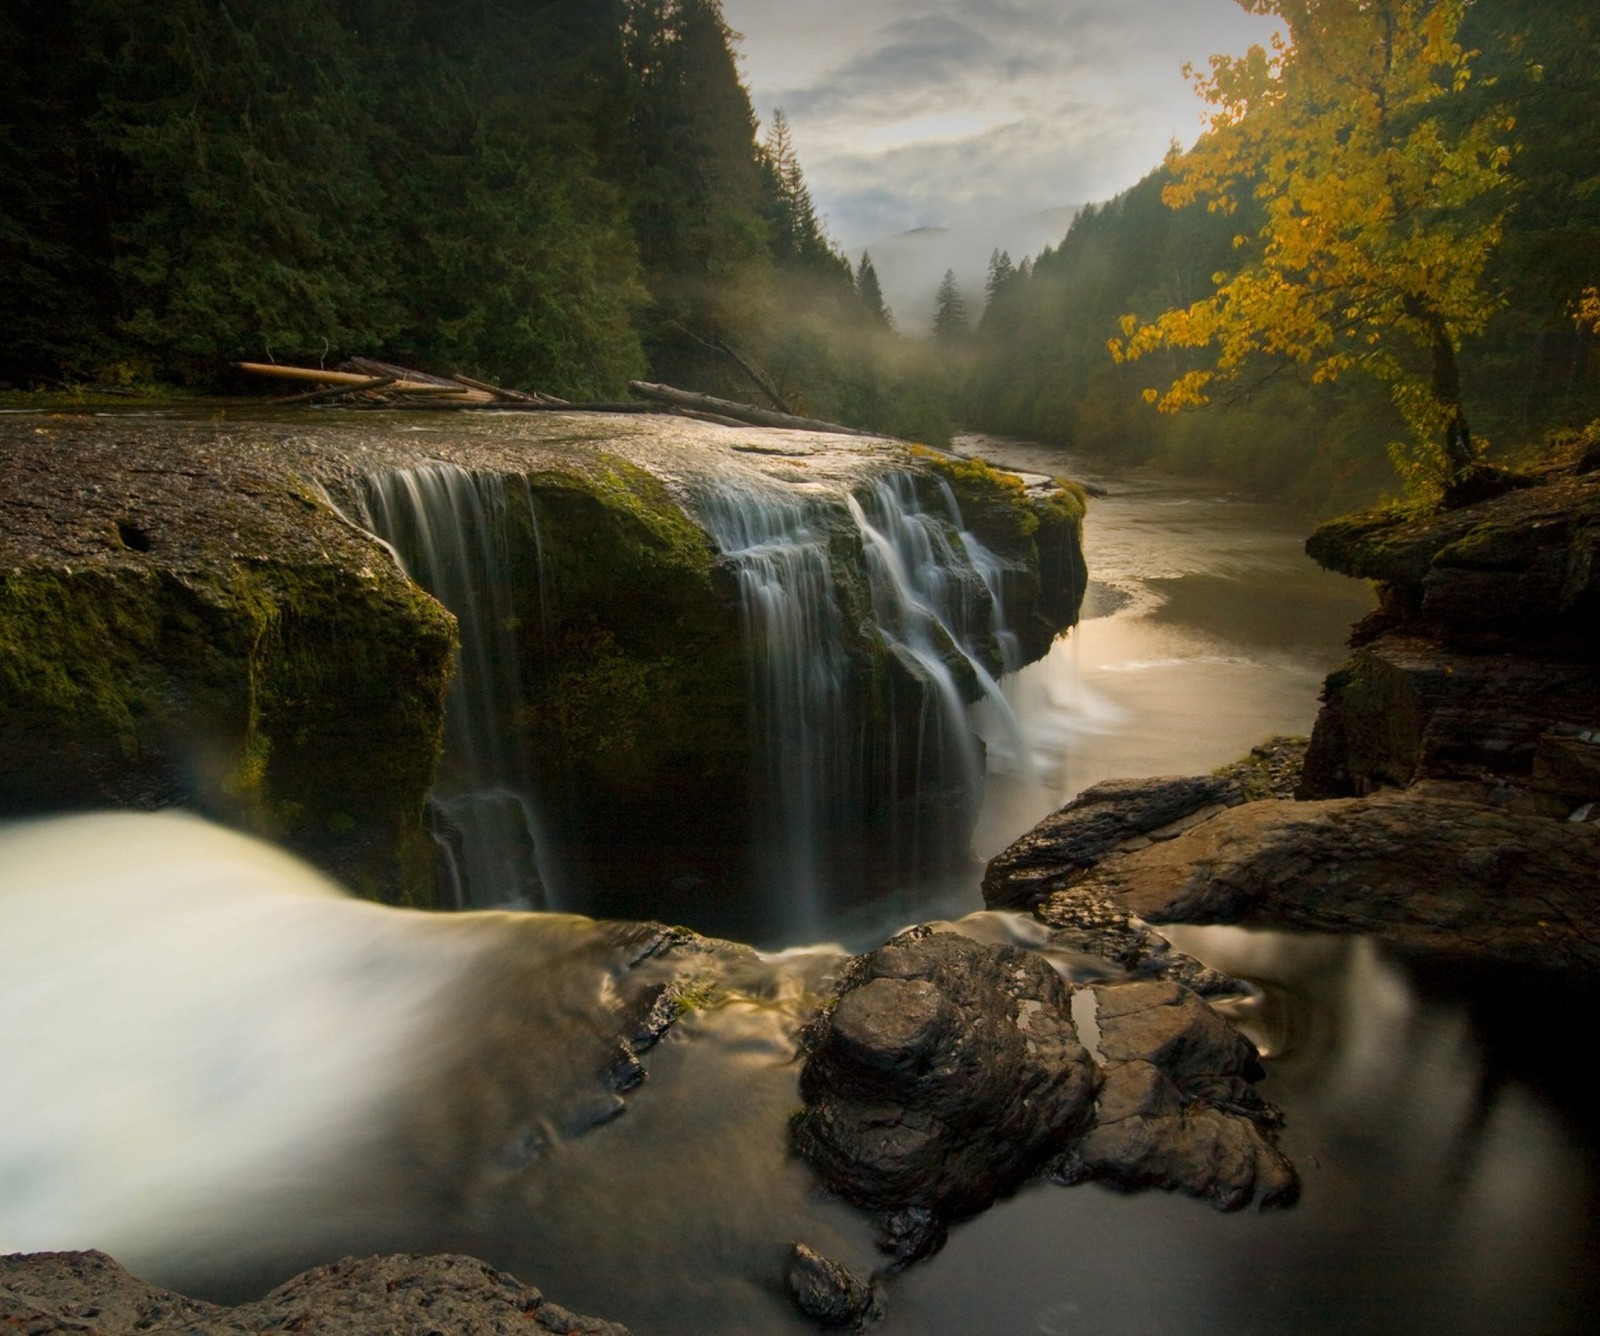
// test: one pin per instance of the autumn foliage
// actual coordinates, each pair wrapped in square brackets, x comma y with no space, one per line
[1380,206]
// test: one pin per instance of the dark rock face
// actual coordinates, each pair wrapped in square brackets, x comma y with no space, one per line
[1482,662]
[1406,708]
[1426,870]
[946,1075]
[87,1292]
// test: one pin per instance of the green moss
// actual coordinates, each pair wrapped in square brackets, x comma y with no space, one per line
[303,703]
[982,489]
[701,994]
[661,533]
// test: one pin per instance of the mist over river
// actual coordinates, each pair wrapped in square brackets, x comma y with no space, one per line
[220,1070]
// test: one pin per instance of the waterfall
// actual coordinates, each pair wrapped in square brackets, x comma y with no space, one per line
[799,665]
[870,770]
[937,596]
[872,621]
[453,530]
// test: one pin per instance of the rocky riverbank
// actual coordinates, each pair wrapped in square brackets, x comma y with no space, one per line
[1450,792]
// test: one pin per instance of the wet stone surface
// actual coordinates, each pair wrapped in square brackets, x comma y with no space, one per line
[950,1071]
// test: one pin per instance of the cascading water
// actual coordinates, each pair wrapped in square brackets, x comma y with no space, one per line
[869,767]
[799,664]
[937,596]
[452,530]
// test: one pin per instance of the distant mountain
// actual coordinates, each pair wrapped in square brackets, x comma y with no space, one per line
[911,264]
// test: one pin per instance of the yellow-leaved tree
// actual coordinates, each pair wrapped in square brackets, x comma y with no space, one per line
[1380,204]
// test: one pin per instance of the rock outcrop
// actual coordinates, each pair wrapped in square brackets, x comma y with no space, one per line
[950,1071]
[186,619]
[182,622]
[88,1294]
[1178,1109]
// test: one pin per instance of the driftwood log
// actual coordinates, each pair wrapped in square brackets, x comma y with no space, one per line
[386,385]
[726,408]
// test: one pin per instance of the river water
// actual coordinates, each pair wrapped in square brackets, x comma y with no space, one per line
[208,1082]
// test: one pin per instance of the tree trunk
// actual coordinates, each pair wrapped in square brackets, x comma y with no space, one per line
[1447,392]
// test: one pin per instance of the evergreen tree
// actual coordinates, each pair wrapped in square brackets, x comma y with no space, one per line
[796,235]
[870,294]
[950,312]
[1001,274]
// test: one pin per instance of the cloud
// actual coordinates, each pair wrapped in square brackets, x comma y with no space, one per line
[907,113]
[914,66]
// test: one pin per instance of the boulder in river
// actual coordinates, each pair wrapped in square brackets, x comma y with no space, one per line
[950,1071]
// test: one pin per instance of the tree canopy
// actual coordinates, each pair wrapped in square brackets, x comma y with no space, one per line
[1380,207]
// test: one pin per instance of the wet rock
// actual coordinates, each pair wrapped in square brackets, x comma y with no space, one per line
[1425,869]
[945,1075]
[1101,925]
[87,1292]
[1064,845]
[950,1071]
[1114,818]
[1203,1152]
[1167,1028]
[831,1295]
[1177,1109]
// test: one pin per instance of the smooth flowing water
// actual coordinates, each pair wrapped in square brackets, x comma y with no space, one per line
[220,1070]
[452,531]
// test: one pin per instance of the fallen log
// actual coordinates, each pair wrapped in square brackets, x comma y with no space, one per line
[325,392]
[402,381]
[745,413]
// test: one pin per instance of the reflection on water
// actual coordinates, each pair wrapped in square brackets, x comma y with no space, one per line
[1219,636]
[1449,1183]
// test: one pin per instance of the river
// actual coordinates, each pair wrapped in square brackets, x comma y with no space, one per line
[1446,1149]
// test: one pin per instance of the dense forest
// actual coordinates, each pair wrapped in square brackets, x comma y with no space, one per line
[564,194]
[560,194]
[1037,362]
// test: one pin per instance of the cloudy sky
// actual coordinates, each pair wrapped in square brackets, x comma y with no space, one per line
[912,113]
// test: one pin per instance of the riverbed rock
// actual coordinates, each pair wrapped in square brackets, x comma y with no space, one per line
[831,1295]
[1117,816]
[1178,1109]
[945,1075]
[1066,844]
[950,1071]
[90,1294]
